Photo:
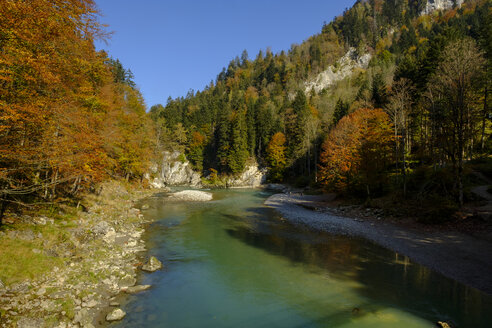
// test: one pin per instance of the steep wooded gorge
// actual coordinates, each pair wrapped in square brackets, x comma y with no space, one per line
[388,95]
[303,112]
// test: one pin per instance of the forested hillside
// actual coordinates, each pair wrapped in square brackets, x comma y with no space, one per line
[422,102]
[70,116]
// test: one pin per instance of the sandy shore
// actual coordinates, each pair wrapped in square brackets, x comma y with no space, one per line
[456,255]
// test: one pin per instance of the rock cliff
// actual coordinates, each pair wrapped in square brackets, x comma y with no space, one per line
[433,5]
[174,171]
[342,69]
[252,176]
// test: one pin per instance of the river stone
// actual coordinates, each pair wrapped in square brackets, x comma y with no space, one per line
[115,315]
[83,317]
[25,322]
[153,265]
[127,281]
[136,289]
[101,228]
[2,286]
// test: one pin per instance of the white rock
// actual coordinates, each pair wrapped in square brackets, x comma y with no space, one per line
[91,304]
[344,68]
[110,236]
[433,5]
[252,177]
[174,172]
[115,315]
[192,195]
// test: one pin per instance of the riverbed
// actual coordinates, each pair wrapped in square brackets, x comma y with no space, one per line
[233,262]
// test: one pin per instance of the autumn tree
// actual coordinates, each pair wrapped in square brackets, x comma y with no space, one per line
[276,156]
[49,73]
[69,116]
[356,152]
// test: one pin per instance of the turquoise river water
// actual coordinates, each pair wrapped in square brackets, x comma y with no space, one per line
[233,262]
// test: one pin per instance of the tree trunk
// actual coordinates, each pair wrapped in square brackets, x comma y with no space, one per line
[3,207]
[484,121]
[404,167]
[460,183]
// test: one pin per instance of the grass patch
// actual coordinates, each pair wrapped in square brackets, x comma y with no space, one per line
[18,261]
[68,306]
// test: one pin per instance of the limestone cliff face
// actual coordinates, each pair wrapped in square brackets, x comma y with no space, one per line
[342,69]
[173,171]
[252,177]
[433,5]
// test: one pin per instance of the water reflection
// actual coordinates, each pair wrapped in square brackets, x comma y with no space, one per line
[382,275]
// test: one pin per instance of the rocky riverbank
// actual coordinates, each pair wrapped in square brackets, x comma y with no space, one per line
[457,255]
[84,261]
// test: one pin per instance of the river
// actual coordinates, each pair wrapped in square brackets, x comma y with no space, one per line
[233,262]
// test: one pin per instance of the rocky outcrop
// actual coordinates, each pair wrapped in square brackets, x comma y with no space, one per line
[252,177]
[344,67]
[433,5]
[174,170]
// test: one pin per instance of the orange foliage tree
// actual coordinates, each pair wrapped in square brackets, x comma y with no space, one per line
[57,95]
[357,151]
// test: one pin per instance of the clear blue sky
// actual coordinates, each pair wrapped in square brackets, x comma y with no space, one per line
[174,46]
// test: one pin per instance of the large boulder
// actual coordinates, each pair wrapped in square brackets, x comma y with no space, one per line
[115,315]
[136,289]
[152,265]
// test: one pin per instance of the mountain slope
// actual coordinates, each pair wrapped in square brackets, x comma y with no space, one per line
[353,63]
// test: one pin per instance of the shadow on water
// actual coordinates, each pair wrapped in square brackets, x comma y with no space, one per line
[419,290]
